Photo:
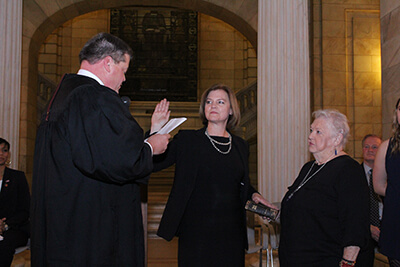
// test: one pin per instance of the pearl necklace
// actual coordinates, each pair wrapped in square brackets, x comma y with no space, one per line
[213,142]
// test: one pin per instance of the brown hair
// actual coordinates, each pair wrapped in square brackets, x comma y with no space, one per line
[368,136]
[234,119]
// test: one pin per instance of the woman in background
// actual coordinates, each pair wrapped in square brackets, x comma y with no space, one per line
[386,176]
[205,208]
[14,207]
[325,213]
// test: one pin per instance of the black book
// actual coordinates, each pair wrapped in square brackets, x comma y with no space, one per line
[262,210]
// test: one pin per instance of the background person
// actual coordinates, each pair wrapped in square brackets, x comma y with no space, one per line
[14,207]
[205,208]
[90,157]
[386,176]
[325,213]
[370,144]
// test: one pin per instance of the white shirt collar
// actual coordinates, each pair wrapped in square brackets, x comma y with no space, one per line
[90,75]
[366,168]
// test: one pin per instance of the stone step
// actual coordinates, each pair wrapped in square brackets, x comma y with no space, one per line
[157,199]
[158,190]
[153,181]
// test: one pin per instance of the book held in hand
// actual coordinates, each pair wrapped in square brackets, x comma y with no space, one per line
[262,210]
[172,124]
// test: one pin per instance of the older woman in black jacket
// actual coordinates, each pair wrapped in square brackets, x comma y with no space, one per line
[14,207]
[325,213]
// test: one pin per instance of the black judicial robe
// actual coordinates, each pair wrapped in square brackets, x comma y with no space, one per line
[89,158]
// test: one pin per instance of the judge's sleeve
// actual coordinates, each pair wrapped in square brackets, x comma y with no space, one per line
[106,142]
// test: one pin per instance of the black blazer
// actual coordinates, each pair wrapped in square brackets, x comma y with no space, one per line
[186,151]
[15,200]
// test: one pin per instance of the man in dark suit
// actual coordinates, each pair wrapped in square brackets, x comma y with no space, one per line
[14,208]
[90,157]
[370,144]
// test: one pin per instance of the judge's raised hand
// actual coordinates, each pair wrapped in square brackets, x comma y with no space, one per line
[159,143]
[160,116]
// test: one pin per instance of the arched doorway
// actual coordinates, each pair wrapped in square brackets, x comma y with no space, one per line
[59,16]
[40,19]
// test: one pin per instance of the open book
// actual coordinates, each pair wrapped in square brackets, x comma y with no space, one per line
[171,124]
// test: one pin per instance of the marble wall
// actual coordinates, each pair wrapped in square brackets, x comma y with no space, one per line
[334,30]
[41,18]
[346,65]
[390,19]
[225,55]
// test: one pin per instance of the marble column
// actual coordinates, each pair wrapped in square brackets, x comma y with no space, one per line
[10,73]
[390,49]
[283,94]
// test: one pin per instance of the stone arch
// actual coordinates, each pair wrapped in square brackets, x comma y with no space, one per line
[40,19]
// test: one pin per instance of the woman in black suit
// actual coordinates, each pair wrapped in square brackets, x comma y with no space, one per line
[14,207]
[205,208]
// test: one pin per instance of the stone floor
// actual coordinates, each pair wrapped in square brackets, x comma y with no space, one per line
[22,259]
[164,254]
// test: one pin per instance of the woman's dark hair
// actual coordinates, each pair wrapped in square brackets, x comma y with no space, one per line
[6,144]
[396,131]
[102,45]
[234,119]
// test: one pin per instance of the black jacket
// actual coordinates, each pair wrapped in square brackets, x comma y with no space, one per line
[15,200]
[186,151]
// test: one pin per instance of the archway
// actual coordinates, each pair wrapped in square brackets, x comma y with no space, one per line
[41,19]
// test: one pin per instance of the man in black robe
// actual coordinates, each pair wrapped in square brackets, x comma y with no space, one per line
[90,157]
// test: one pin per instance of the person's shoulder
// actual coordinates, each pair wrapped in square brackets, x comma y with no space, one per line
[240,141]
[189,133]
[384,145]
[308,164]
[348,160]
[346,163]
[75,81]
[95,92]
[15,173]
[90,88]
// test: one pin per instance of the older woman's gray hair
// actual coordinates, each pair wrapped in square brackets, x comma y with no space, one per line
[337,121]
